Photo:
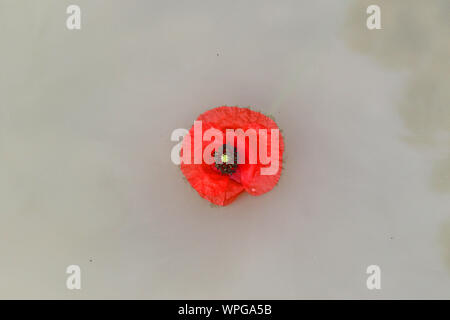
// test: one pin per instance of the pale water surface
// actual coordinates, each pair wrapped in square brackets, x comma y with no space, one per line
[85,170]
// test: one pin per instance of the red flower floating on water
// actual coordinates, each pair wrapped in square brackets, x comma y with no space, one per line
[229,150]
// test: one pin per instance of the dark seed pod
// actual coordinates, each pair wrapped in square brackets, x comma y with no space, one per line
[226,159]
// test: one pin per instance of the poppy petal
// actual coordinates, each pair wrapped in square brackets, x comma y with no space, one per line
[217,188]
[252,178]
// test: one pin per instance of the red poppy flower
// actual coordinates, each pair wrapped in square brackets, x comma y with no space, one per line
[231,164]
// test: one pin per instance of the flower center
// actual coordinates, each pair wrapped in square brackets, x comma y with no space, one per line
[226,159]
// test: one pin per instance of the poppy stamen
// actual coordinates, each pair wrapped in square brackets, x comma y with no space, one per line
[226,160]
